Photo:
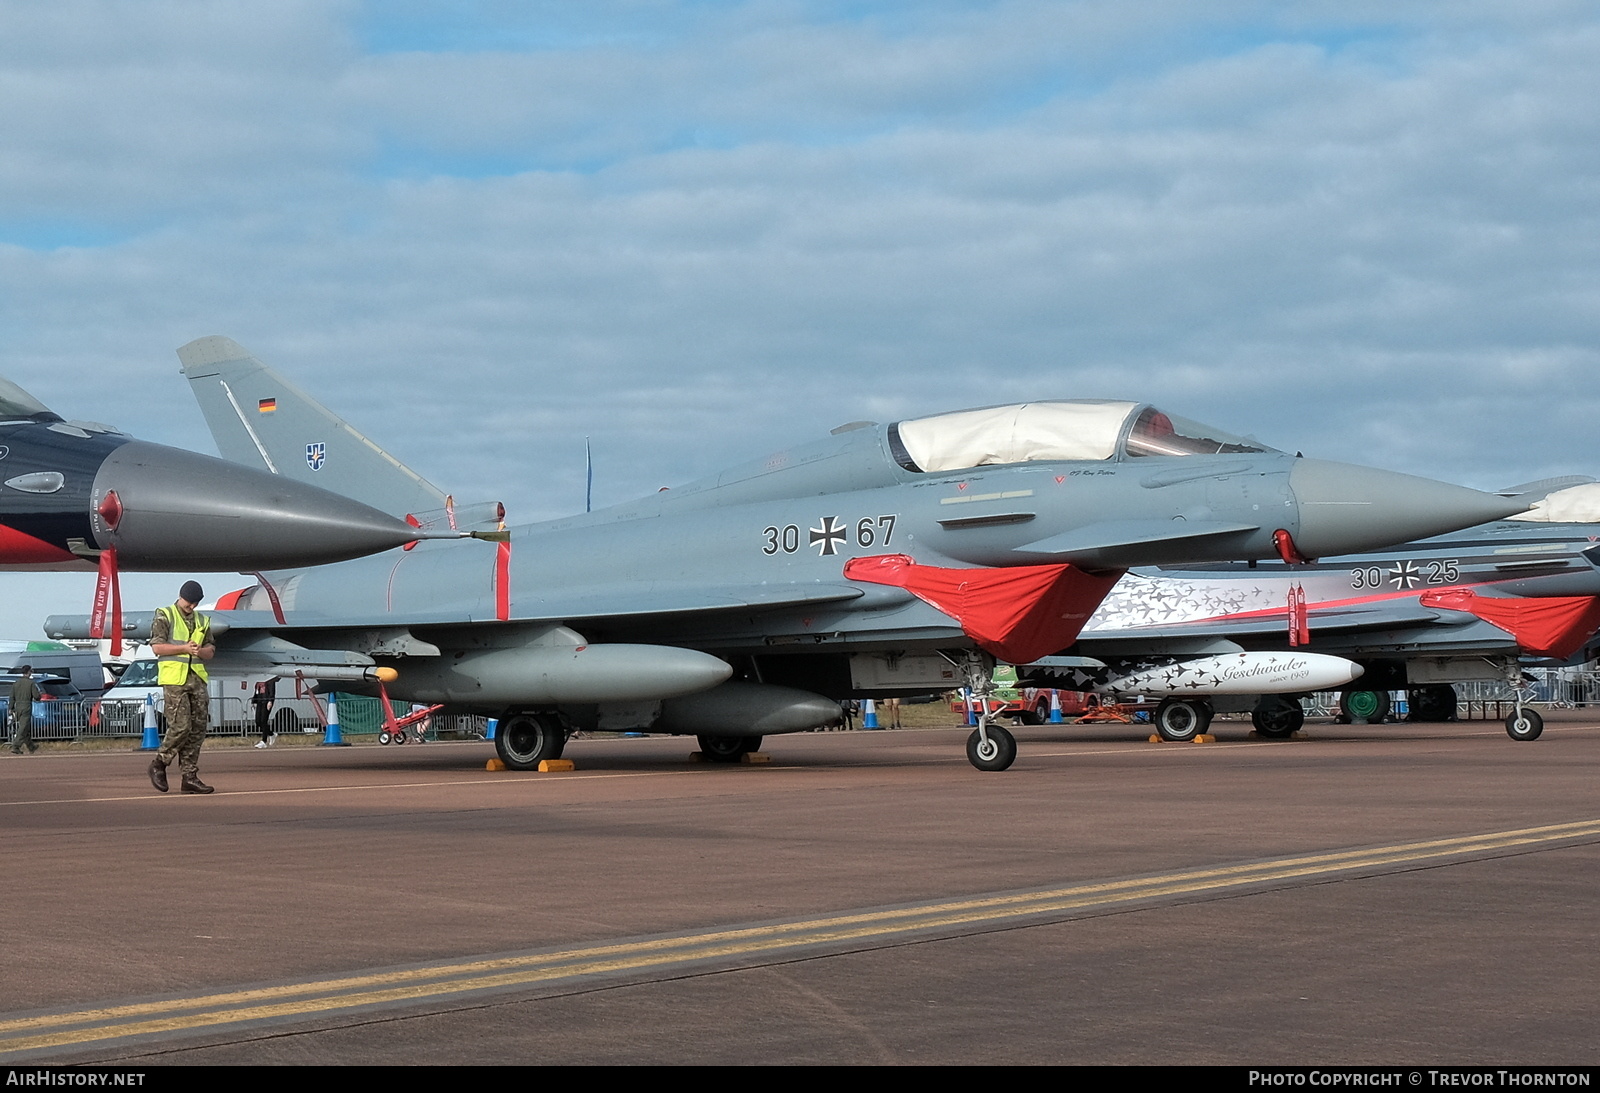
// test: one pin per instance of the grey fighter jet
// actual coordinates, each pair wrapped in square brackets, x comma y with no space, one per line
[1479,604]
[883,559]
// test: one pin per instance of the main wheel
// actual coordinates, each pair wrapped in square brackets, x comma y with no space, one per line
[1279,719]
[727,749]
[525,740]
[1369,706]
[1180,719]
[1435,702]
[1524,726]
[997,753]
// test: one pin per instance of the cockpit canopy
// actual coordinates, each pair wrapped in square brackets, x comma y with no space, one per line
[16,404]
[1078,429]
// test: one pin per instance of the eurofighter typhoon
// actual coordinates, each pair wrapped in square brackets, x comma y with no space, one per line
[1479,604]
[884,559]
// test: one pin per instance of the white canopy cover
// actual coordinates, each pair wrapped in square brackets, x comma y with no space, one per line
[1573,505]
[1016,434]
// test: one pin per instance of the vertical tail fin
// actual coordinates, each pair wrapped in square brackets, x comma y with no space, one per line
[261,420]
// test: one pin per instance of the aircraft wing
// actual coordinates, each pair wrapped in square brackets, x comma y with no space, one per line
[629,600]
[651,598]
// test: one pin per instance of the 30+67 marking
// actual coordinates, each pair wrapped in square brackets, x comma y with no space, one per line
[829,534]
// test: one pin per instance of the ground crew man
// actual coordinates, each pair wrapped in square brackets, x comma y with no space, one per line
[23,693]
[181,640]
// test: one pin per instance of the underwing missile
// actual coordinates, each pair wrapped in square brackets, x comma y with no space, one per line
[1242,673]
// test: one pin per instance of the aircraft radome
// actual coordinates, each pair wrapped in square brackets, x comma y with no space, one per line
[884,559]
[80,495]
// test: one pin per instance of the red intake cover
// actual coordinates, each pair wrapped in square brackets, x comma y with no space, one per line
[1547,626]
[1019,613]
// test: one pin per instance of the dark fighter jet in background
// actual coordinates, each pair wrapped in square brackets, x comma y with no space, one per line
[79,495]
[884,559]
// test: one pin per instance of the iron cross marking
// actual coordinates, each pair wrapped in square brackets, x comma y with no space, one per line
[828,536]
[1404,575]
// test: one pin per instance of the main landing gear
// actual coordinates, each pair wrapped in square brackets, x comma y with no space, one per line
[1432,702]
[1277,717]
[1182,719]
[728,749]
[989,747]
[1523,724]
[524,740]
[1369,707]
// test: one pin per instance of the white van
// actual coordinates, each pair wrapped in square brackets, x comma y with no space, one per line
[81,666]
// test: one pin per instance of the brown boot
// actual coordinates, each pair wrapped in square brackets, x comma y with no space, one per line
[158,774]
[193,784]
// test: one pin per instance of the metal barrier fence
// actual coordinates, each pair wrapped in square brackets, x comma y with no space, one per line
[1572,687]
[93,718]
[90,718]
[1491,700]
[1554,688]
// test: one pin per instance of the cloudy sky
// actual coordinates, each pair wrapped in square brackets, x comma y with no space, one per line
[697,232]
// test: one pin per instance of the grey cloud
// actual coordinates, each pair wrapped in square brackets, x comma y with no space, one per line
[1379,252]
[132,115]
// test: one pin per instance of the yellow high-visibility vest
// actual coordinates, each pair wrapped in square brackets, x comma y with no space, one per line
[174,671]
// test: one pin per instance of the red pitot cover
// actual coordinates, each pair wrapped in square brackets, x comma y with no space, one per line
[1547,626]
[1019,613]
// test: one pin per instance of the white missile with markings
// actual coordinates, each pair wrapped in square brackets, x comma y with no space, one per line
[1243,673]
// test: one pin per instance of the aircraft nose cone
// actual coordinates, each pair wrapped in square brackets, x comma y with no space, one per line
[1345,509]
[176,510]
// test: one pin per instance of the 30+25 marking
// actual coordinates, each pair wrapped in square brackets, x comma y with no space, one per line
[1404,575]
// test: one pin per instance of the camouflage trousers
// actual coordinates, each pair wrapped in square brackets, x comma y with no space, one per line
[22,733]
[188,710]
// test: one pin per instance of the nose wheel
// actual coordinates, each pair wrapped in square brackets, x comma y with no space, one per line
[991,748]
[1524,725]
